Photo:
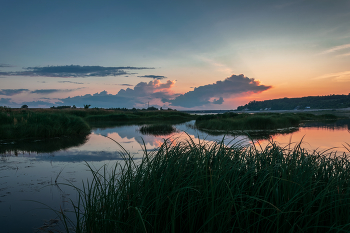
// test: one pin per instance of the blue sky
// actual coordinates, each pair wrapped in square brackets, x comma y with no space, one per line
[100,50]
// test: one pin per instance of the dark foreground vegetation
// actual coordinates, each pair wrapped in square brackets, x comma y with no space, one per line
[158,129]
[259,121]
[312,102]
[209,187]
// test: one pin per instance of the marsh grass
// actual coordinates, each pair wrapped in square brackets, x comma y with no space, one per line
[209,187]
[259,121]
[158,129]
[25,124]
[141,116]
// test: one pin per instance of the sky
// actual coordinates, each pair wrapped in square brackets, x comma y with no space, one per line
[185,55]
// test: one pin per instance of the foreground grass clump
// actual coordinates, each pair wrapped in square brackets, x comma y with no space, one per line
[208,187]
[259,121]
[157,129]
[25,124]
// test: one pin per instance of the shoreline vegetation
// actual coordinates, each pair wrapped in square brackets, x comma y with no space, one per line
[307,102]
[189,186]
[56,122]
[29,124]
[260,121]
[157,129]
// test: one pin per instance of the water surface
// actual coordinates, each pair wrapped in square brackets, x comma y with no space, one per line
[31,172]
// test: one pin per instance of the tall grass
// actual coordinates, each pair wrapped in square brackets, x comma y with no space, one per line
[259,121]
[209,187]
[40,125]
[157,129]
[141,116]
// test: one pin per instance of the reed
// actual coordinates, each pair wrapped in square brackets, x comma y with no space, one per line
[157,129]
[140,116]
[210,187]
[259,121]
[40,125]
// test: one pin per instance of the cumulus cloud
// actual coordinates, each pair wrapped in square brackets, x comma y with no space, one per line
[140,94]
[11,92]
[73,71]
[157,93]
[218,101]
[153,76]
[236,84]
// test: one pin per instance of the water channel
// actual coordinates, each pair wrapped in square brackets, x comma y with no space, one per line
[32,172]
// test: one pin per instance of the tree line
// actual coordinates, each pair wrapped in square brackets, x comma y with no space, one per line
[312,102]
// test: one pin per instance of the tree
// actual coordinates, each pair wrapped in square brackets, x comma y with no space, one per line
[24,106]
[86,106]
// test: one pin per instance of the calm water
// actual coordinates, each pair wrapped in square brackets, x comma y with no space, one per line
[31,172]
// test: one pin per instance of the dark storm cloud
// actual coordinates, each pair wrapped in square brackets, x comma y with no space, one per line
[236,84]
[50,91]
[69,82]
[74,71]
[11,92]
[153,76]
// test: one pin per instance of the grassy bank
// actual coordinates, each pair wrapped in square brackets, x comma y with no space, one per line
[27,124]
[259,121]
[199,187]
[46,123]
[139,116]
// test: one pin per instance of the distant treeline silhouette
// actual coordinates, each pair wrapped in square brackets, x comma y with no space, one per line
[312,102]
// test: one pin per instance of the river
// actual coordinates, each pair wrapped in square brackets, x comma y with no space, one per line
[33,174]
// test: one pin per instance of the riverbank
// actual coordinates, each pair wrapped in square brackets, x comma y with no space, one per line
[29,124]
[258,121]
[49,123]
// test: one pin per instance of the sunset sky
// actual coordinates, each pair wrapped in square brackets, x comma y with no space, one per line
[179,54]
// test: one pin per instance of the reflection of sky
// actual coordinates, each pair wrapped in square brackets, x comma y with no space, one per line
[115,142]
[32,176]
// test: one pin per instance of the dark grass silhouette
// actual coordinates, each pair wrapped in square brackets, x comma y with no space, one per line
[209,187]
